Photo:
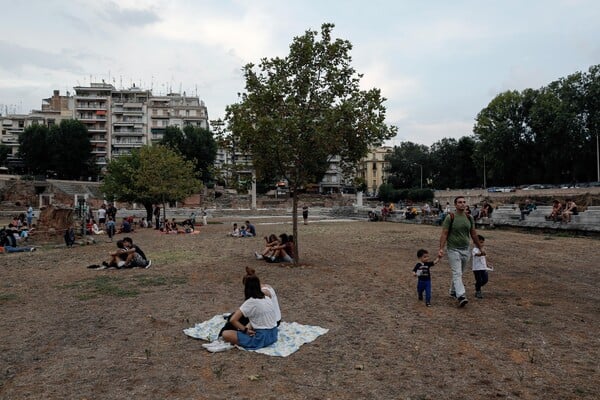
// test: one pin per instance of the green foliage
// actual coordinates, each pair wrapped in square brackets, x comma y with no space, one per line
[300,111]
[387,193]
[64,150]
[149,175]
[194,144]
[4,152]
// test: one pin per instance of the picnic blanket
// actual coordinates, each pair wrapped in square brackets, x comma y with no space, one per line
[291,335]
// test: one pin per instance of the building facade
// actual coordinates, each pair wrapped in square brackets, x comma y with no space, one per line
[374,169]
[118,120]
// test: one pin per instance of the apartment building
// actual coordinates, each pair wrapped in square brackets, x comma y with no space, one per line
[177,110]
[92,107]
[374,169]
[53,110]
[128,120]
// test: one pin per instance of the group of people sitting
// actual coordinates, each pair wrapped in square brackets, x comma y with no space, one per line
[172,226]
[277,249]
[255,323]
[127,255]
[247,230]
[562,212]
[10,238]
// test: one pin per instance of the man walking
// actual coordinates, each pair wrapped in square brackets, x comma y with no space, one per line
[457,230]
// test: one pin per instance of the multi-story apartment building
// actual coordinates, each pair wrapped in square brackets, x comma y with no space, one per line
[92,107]
[129,120]
[333,180]
[54,109]
[373,169]
[175,110]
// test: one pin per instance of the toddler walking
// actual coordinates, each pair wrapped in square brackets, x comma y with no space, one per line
[480,267]
[423,274]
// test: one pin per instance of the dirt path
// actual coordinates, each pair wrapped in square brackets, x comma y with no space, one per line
[67,332]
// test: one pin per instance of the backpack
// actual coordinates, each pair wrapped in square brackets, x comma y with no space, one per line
[452,222]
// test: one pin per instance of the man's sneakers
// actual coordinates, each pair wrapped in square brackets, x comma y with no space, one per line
[148,264]
[462,301]
[453,295]
[478,294]
[218,346]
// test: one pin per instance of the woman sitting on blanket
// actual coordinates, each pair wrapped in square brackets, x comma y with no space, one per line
[254,324]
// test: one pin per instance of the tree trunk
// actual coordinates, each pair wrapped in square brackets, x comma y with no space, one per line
[295,226]
[149,212]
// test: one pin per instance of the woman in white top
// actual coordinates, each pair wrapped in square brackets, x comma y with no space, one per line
[262,312]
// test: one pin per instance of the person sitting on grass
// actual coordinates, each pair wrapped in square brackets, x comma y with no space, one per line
[261,329]
[250,229]
[235,232]
[9,243]
[269,292]
[125,227]
[284,251]
[270,242]
[127,257]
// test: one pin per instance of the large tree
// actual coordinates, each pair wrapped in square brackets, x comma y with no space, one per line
[195,144]
[301,110]
[407,161]
[34,149]
[64,150]
[71,150]
[150,175]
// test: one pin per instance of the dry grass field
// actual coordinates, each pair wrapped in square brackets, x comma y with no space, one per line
[68,332]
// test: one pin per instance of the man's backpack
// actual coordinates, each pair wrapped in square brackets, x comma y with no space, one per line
[471,220]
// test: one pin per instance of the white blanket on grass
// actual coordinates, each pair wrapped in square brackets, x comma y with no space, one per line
[291,335]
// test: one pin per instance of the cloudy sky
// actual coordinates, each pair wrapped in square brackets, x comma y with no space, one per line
[437,62]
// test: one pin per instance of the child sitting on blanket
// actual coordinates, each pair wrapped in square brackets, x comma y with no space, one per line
[254,324]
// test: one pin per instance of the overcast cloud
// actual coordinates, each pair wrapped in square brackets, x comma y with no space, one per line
[437,62]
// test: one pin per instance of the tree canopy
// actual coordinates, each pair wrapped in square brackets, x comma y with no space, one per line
[194,144]
[150,175]
[545,135]
[64,150]
[301,110]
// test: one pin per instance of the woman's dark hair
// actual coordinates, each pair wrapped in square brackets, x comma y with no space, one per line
[120,244]
[272,238]
[283,238]
[252,285]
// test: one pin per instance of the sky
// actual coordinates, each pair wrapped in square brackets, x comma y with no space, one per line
[438,63]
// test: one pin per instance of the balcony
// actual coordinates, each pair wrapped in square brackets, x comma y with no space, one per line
[123,143]
[130,132]
[97,141]
[91,106]
[91,119]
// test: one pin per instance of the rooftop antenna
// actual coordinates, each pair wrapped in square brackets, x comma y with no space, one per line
[120,82]
[196,92]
